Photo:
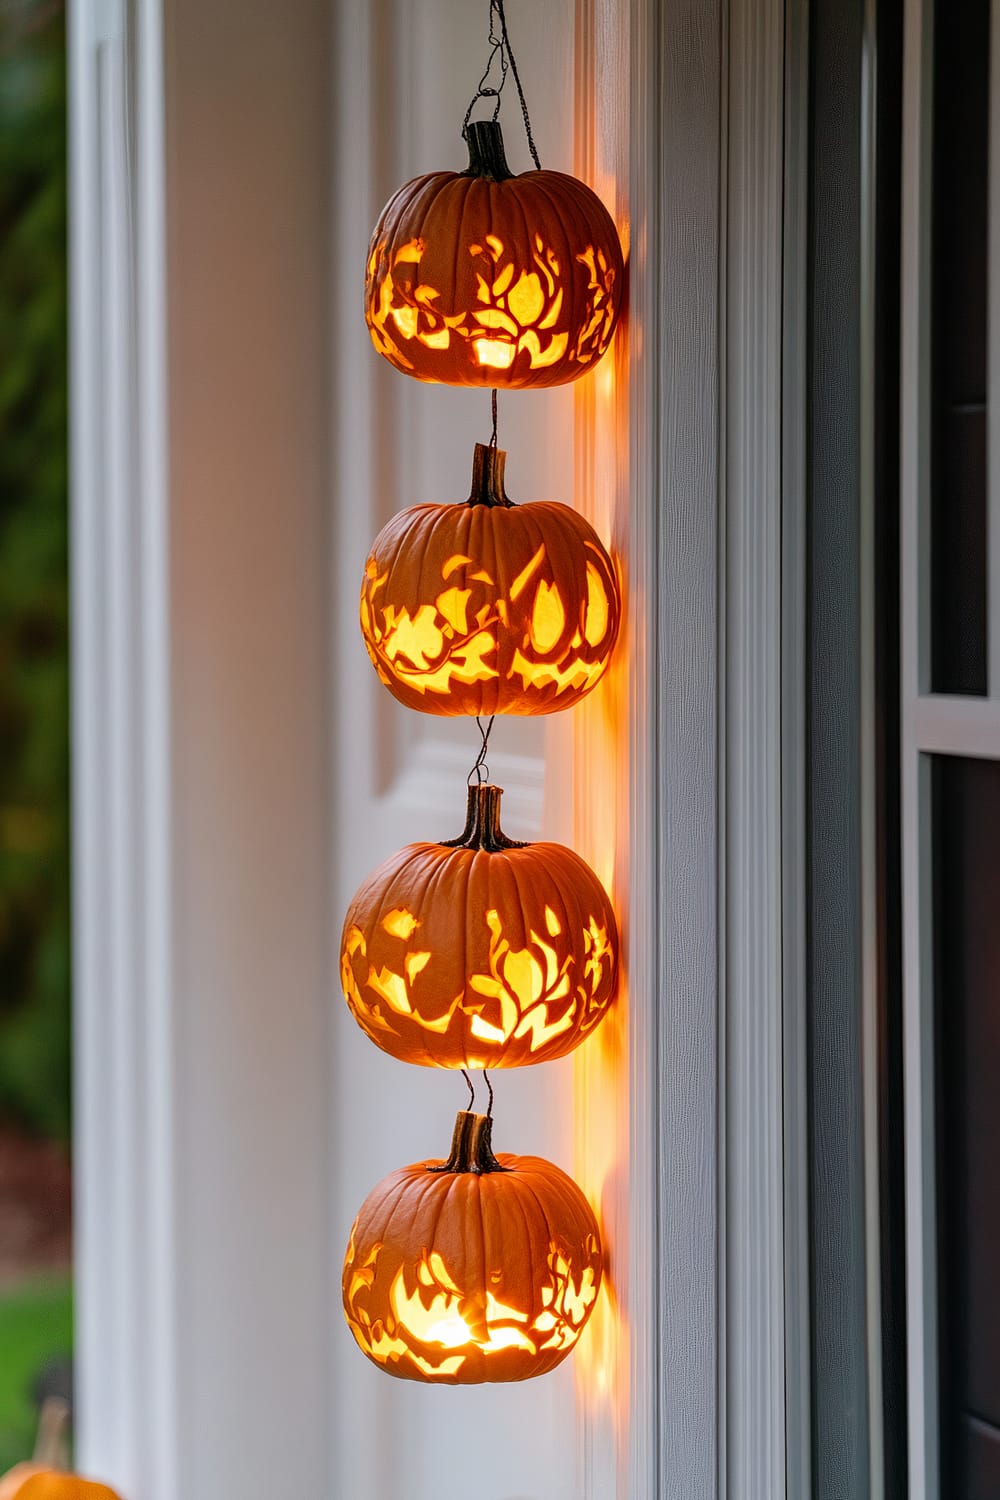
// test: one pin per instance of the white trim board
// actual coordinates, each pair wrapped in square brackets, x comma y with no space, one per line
[126,1351]
[200,881]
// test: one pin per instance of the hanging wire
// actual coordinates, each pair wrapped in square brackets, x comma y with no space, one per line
[499,41]
[489,1089]
[517,79]
[484,90]
[472,1089]
[480,769]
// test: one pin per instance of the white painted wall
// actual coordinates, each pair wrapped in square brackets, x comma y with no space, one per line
[238,768]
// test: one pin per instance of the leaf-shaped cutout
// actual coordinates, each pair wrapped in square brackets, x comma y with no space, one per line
[453,605]
[526,299]
[504,280]
[495,317]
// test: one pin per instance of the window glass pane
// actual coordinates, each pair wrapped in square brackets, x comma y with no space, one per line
[35,1280]
[967,984]
[958,388]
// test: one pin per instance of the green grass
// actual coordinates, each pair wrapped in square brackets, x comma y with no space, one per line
[36,1325]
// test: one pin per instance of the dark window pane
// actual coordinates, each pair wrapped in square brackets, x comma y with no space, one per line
[967,935]
[959,389]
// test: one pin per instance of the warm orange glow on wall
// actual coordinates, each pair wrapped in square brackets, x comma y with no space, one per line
[489,607]
[484,278]
[480,1268]
[600,811]
[480,953]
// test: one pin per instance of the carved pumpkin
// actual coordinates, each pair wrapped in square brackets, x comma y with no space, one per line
[484,278]
[480,953]
[488,607]
[36,1482]
[475,1269]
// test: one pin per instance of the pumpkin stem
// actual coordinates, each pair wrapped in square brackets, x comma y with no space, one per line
[471,1146]
[482,822]
[487,476]
[487,157]
[51,1445]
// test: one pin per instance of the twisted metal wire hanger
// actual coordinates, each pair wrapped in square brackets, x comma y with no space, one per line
[480,770]
[499,41]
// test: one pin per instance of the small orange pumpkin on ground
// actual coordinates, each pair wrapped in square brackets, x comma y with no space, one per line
[483,278]
[490,607]
[45,1476]
[31,1481]
[480,1268]
[481,952]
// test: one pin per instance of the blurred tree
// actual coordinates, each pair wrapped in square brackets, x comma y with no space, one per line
[34,664]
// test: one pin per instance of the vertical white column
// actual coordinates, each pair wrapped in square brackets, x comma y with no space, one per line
[123,1055]
[677,1059]
[199,198]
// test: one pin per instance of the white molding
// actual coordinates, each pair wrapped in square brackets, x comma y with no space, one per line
[674,952]
[124,1264]
[200,904]
[752,862]
[918,1030]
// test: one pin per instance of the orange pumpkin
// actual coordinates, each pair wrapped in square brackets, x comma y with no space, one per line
[489,607]
[480,953]
[480,1268]
[483,278]
[33,1481]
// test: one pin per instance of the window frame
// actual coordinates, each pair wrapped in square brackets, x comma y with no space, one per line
[931,724]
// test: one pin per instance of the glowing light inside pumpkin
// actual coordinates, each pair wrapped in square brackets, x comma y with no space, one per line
[435,1326]
[548,618]
[400,923]
[525,993]
[518,310]
[595,622]
[494,354]
[451,640]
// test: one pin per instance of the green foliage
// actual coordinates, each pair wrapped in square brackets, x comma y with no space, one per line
[34,669]
[36,1323]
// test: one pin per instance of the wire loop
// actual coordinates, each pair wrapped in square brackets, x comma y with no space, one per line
[499,41]
[480,770]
